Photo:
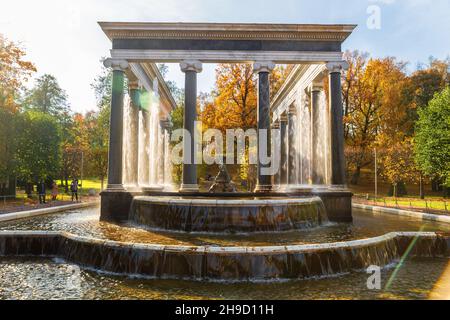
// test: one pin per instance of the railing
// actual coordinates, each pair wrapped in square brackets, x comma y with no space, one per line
[6,200]
[439,206]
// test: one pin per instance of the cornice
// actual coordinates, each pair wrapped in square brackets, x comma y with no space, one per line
[214,31]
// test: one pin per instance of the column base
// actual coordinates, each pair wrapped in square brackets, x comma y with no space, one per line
[152,188]
[301,188]
[189,188]
[115,205]
[261,188]
[115,187]
[338,187]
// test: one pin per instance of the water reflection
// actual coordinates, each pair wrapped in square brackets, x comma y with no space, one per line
[48,279]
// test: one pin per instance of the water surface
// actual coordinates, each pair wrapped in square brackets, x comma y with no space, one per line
[86,223]
[55,279]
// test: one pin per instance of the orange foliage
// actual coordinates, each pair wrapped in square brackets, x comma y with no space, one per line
[14,71]
[234,99]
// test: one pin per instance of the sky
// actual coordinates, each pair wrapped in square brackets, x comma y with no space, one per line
[62,37]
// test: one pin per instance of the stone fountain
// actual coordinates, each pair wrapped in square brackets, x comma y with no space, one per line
[309,189]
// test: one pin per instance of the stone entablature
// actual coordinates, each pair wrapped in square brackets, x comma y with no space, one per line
[225,31]
[226,43]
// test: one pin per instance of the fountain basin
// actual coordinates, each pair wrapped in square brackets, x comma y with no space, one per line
[224,263]
[227,215]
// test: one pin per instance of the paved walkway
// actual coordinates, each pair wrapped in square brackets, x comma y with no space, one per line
[46,210]
[406,213]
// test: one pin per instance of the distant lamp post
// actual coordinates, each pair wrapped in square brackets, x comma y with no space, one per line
[376,175]
[448,75]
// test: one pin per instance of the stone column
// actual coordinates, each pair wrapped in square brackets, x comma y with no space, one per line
[316,172]
[338,178]
[133,87]
[167,159]
[263,69]
[115,160]
[284,151]
[144,141]
[161,150]
[292,168]
[276,181]
[190,68]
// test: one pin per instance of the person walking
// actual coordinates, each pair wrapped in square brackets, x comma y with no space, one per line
[74,189]
[41,191]
[54,191]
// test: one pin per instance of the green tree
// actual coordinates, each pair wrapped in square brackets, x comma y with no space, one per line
[423,84]
[8,142]
[47,96]
[38,144]
[432,141]
[97,126]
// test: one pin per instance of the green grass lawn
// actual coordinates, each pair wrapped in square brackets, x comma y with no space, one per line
[87,184]
[430,202]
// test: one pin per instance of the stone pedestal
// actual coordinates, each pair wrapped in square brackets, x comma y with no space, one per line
[115,205]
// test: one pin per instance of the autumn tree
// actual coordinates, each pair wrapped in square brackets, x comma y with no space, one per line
[373,106]
[398,164]
[234,101]
[14,72]
[96,126]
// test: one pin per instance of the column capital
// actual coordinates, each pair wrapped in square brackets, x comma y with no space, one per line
[284,118]
[263,66]
[316,87]
[191,65]
[116,64]
[292,110]
[134,85]
[276,124]
[336,67]
[164,123]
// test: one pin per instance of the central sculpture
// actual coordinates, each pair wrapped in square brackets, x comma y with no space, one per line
[309,188]
[222,182]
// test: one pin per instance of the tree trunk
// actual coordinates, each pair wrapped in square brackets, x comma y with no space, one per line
[29,190]
[395,190]
[422,191]
[102,182]
[356,175]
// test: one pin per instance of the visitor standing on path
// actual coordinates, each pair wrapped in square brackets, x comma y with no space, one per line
[74,189]
[41,191]
[54,191]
